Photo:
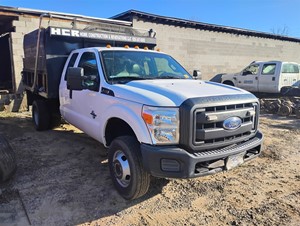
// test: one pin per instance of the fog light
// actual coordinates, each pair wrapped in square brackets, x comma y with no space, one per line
[170,165]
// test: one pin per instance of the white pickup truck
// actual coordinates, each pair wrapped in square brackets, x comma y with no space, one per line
[150,113]
[265,77]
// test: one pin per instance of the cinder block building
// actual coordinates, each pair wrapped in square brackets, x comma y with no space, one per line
[211,48]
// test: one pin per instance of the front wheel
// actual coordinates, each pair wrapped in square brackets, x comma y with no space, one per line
[126,168]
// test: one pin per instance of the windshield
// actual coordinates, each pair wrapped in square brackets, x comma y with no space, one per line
[124,66]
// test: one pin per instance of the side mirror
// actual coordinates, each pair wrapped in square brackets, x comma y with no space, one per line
[75,78]
[197,74]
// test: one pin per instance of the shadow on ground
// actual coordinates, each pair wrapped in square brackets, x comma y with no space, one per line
[62,177]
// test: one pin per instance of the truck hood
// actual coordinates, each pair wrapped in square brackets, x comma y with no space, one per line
[171,92]
[228,76]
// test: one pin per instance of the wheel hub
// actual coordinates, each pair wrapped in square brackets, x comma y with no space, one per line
[118,169]
[121,168]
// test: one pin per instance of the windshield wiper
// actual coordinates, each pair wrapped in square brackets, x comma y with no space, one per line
[168,77]
[125,79]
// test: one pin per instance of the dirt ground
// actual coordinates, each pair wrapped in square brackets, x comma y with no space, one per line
[63,179]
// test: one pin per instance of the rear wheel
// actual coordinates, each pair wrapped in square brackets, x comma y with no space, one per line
[126,168]
[285,110]
[40,115]
[7,160]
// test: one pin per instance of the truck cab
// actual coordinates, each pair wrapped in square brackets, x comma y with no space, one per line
[109,83]
[264,77]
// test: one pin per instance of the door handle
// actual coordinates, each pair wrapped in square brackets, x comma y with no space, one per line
[256,78]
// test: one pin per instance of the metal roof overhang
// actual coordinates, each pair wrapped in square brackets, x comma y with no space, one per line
[128,15]
[10,11]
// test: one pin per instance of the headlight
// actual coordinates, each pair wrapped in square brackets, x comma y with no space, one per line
[162,123]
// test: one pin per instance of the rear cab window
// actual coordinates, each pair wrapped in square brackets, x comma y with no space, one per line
[290,68]
[71,63]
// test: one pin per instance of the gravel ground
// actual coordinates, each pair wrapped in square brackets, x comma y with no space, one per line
[63,179]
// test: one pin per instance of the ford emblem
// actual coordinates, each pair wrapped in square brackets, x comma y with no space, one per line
[232,123]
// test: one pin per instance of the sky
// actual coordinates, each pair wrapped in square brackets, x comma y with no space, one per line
[272,16]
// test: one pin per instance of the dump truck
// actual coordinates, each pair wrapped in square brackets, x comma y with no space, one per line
[155,118]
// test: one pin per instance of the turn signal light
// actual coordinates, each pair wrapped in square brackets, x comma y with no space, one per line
[147,118]
[126,46]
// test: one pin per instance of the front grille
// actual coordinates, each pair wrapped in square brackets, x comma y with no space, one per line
[225,139]
[206,130]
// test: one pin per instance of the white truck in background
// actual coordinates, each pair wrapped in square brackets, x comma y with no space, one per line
[265,77]
[269,80]
[141,104]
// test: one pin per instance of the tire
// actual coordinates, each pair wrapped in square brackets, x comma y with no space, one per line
[40,115]
[7,160]
[126,168]
[55,120]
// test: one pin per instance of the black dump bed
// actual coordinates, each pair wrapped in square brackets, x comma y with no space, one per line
[55,46]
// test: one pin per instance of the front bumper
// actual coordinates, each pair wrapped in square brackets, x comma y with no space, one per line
[175,162]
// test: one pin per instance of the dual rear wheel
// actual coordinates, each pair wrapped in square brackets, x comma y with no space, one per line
[43,115]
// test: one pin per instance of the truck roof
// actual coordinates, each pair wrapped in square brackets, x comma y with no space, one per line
[274,61]
[99,49]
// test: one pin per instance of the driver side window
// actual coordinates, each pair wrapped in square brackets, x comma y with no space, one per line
[251,70]
[91,76]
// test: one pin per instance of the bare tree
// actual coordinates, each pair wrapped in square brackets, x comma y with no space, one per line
[280,30]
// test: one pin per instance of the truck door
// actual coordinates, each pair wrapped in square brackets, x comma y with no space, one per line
[267,79]
[85,105]
[247,79]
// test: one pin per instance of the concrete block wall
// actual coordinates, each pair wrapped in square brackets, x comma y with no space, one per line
[216,52]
